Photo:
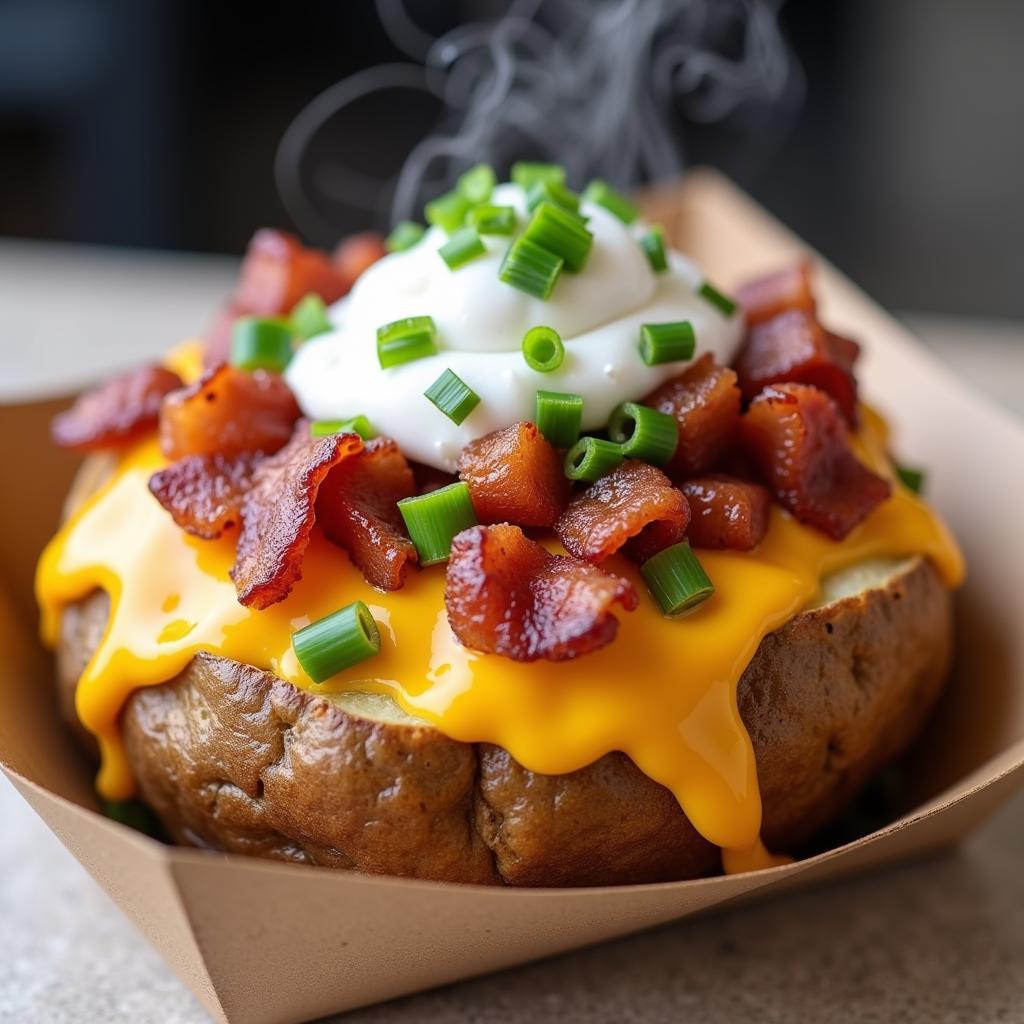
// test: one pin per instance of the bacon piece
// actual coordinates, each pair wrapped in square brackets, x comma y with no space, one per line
[204,493]
[278,513]
[794,347]
[357,508]
[800,443]
[515,475]
[356,253]
[768,296]
[227,412]
[726,512]
[635,507]
[430,479]
[507,595]
[116,412]
[705,401]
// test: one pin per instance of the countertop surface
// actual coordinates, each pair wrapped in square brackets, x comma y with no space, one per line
[940,941]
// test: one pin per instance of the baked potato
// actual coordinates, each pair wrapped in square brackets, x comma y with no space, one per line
[232,758]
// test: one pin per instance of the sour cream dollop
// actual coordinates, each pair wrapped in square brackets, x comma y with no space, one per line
[480,326]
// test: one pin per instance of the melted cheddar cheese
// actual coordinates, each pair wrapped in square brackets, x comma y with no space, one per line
[664,691]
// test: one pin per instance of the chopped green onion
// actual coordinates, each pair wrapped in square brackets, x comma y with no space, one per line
[591,458]
[644,433]
[653,245]
[336,642]
[552,192]
[402,341]
[543,349]
[601,193]
[453,396]
[676,579]
[448,211]
[406,234]
[721,302]
[493,220]
[667,343]
[433,520]
[526,173]
[530,267]
[261,343]
[464,245]
[477,183]
[559,416]
[356,425]
[561,232]
[912,479]
[309,316]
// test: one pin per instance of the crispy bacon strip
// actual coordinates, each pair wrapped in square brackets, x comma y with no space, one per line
[635,507]
[227,412]
[799,441]
[278,513]
[116,412]
[204,493]
[515,475]
[726,512]
[767,297]
[507,595]
[794,347]
[355,254]
[357,508]
[705,401]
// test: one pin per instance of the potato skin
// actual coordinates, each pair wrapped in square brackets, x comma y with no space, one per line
[232,758]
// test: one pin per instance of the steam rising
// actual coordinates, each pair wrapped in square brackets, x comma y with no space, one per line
[604,87]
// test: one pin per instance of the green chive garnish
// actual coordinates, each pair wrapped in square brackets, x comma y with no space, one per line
[309,316]
[261,343]
[912,479]
[448,211]
[336,642]
[667,343]
[543,349]
[559,416]
[477,183]
[591,458]
[548,191]
[356,425]
[653,244]
[433,520]
[644,433]
[601,193]
[406,234]
[493,220]
[453,396]
[462,246]
[530,267]
[526,173]
[721,302]
[676,579]
[561,232]
[402,341]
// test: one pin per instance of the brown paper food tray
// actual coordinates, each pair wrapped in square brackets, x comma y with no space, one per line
[266,943]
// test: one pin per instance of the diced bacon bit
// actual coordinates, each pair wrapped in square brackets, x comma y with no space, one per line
[430,479]
[705,402]
[204,493]
[507,595]
[726,512]
[278,514]
[634,507]
[515,475]
[794,347]
[800,443]
[357,508]
[768,296]
[354,254]
[227,412]
[116,412]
